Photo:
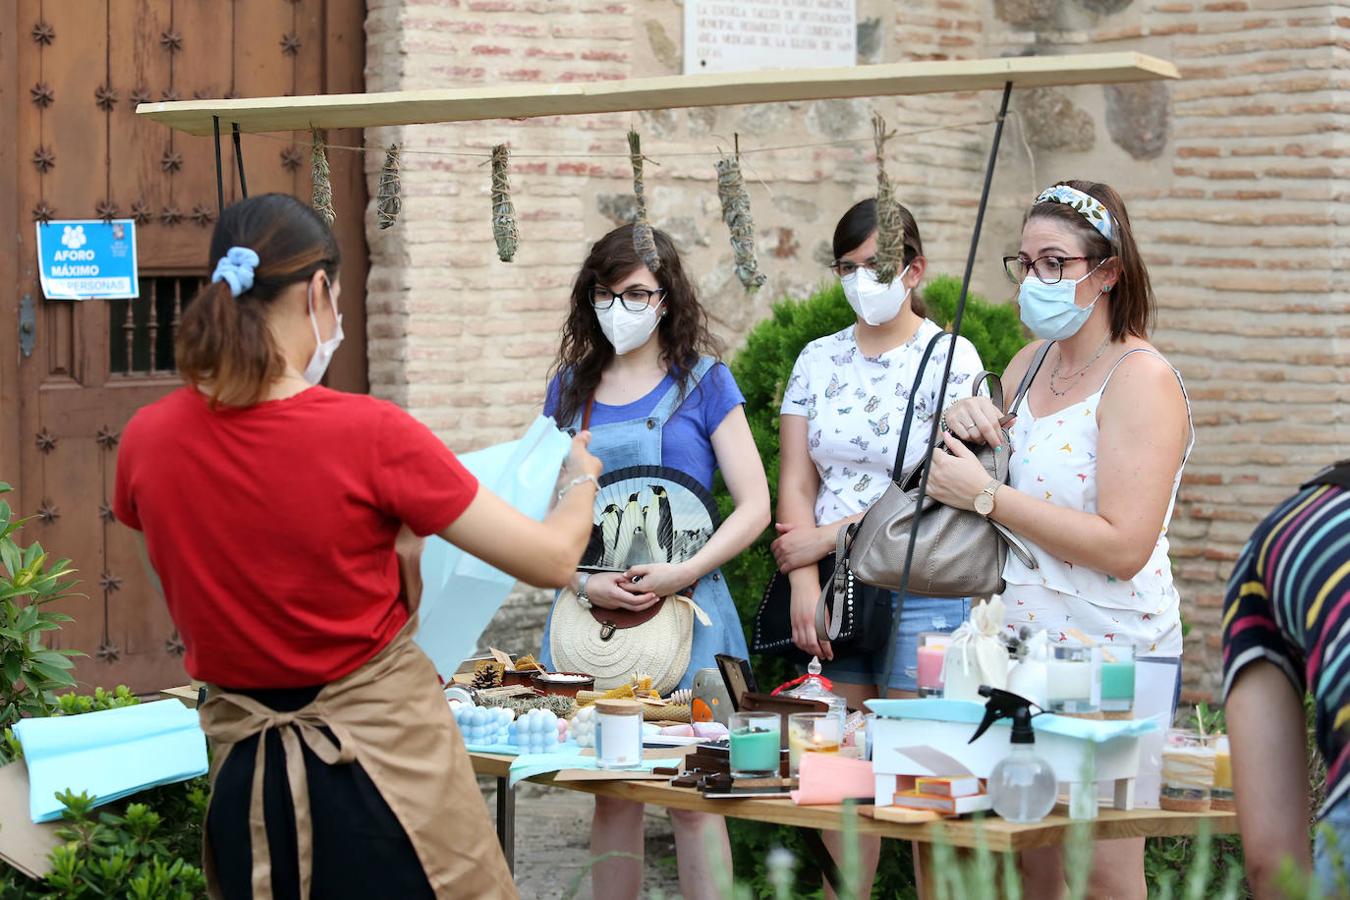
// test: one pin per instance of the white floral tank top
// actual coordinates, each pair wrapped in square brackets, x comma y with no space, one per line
[1054,458]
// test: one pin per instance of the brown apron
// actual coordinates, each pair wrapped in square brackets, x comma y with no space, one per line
[390,716]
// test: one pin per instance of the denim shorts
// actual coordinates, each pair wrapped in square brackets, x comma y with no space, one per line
[919,614]
[1331,856]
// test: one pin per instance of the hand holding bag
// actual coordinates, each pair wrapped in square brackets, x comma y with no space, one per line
[864,616]
[959,553]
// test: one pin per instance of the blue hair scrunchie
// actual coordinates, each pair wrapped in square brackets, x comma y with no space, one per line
[236,269]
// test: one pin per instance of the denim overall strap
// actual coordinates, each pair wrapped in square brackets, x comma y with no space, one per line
[674,397]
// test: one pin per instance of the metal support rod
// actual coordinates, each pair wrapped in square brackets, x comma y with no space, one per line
[239,161]
[220,175]
[933,435]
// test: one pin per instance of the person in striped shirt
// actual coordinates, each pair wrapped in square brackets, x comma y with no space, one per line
[1286,624]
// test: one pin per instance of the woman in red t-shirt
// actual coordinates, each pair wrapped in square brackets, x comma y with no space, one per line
[270,507]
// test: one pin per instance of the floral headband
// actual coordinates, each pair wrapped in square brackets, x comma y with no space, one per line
[1089,207]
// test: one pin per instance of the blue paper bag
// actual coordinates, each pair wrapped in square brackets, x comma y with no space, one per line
[109,754]
[461,593]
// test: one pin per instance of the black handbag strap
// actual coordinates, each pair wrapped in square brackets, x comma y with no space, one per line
[1028,378]
[897,470]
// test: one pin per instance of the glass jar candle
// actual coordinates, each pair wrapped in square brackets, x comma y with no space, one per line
[756,744]
[1073,678]
[932,651]
[1221,795]
[811,732]
[1117,678]
[1188,768]
[618,734]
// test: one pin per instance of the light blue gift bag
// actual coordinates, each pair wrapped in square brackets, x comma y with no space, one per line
[461,593]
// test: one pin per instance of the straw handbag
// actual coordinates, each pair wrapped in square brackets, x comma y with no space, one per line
[614,645]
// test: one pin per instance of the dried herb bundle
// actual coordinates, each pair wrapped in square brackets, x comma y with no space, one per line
[644,243]
[323,186]
[389,202]
[890,226]
[736,213]
[504,230]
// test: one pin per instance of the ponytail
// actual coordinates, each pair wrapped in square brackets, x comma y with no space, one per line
[224,342]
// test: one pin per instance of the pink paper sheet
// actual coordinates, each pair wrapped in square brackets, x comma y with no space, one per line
[826,778]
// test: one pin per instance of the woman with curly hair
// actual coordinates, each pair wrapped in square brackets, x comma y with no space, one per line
[638,369]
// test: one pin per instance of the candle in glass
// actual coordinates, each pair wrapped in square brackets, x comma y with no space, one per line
[932,650]
[1188,769]
[1117,678]
[756,744]
[811,733]
[1221,796]
[1073,678]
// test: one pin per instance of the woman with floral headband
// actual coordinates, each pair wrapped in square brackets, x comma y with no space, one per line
[1097,453]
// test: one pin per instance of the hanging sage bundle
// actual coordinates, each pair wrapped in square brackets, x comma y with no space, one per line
[503,210]
[736,213]
[890,224]
[323,186]
[644,242]
[389,203]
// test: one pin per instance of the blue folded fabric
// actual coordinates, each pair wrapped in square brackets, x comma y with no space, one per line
[527,765]
[109,754]
[1096,731]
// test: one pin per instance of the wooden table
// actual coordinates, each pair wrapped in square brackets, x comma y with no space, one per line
[997,834]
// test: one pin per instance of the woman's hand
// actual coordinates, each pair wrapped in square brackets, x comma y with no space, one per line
[976,419]
[661,579]
[955,479]
[580,462]
[613,590]
[804,601]
[799,546]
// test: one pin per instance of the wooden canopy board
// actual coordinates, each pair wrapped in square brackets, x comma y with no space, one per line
[372,110]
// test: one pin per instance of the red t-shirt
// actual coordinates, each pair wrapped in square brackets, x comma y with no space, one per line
[272,526]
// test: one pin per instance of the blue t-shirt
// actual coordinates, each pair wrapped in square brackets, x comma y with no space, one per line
[686,440]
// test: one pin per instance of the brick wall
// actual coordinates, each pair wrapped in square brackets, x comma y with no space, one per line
[1232,175]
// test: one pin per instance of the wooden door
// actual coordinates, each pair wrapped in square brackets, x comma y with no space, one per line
[71,74]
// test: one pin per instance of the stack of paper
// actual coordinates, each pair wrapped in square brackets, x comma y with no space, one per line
[109,754]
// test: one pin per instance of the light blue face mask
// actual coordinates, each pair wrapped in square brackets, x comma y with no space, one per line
[1049,310]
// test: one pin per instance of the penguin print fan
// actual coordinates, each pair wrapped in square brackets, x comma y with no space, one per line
[648,514]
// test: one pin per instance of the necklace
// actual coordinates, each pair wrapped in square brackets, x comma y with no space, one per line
[1075,376]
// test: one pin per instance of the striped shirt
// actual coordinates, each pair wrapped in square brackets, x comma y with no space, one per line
[1288,603]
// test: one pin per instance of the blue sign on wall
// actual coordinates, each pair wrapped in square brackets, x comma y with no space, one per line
[88,259]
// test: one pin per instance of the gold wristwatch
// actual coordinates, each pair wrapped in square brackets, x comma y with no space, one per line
[984,500]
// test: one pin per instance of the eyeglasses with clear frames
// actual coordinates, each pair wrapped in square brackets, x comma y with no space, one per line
[1048,269]
[634,300]
[844,268]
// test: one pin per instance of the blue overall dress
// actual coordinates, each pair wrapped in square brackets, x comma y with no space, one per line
[637,442]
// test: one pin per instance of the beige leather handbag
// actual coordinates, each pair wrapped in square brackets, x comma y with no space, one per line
[958,553]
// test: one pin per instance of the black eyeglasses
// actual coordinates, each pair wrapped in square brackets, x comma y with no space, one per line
[1048,269]
[844,268]
[635,300]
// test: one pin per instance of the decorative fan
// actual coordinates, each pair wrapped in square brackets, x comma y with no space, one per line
[648,514]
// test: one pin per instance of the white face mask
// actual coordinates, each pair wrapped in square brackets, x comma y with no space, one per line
[626,330]
[323,353]
[873,302]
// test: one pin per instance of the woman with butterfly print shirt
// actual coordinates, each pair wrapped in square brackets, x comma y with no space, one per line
[842,413]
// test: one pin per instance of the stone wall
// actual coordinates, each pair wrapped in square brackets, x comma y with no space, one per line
[1232,176]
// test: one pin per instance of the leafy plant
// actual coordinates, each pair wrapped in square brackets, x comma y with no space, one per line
[30,672]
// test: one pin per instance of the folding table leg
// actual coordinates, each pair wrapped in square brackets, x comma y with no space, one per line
[820,855]
[506,821]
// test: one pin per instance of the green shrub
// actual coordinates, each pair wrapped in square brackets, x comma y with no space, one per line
[30,672]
